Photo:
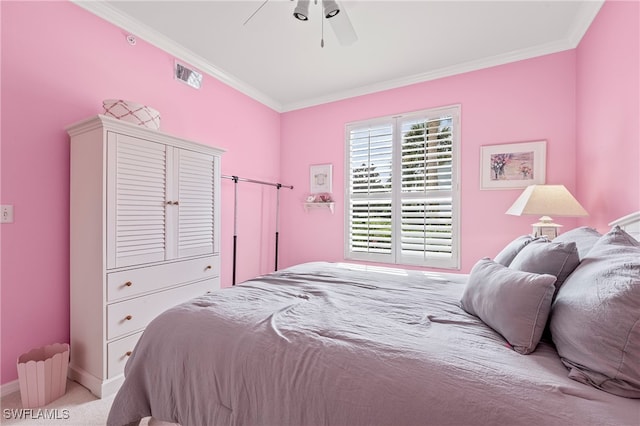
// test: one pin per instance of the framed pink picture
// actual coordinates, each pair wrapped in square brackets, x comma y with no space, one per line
[514,165]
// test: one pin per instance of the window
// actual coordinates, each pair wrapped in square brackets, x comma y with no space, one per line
[402,189]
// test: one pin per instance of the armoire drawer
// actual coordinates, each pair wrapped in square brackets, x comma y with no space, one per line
[134,314]
[132,282]
[118,353]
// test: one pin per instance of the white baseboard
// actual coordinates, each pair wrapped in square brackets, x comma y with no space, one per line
[100,388]
[9,388]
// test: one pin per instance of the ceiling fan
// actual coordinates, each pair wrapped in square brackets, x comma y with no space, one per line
[335,14]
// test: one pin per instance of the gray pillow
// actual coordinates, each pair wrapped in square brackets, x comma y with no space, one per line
[584,237]
[546,257]
[516,304]
[595,323]
[509,252]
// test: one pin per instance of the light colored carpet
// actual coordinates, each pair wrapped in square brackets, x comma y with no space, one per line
[77,406]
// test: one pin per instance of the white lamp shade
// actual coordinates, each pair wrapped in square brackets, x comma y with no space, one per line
[547,200]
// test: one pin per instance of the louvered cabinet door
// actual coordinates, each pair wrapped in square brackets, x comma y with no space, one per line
[194,232]
[136,205]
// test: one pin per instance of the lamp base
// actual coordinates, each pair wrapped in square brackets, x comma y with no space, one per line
[546,228]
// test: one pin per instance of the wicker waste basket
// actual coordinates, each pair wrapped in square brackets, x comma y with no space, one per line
[42,373]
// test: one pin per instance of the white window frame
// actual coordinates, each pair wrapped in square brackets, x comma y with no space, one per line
[453,262]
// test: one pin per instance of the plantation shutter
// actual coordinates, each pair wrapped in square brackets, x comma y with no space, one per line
[426,190]
[370,196]
[403,190]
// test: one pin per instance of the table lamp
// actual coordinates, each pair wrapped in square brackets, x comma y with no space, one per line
[546,200]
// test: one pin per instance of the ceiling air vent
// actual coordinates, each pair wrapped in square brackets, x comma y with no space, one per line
[188,76]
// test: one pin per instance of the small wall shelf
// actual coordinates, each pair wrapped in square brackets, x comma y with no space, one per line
[309,206]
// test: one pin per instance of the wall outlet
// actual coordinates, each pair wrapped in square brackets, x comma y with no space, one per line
[6,213]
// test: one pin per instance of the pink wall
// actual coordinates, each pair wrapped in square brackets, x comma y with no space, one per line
[608,114]
[58,63]
[524,101]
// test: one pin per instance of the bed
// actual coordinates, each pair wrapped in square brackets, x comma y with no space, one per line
[344,344]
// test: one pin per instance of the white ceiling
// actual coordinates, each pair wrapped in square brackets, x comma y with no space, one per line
[277,59]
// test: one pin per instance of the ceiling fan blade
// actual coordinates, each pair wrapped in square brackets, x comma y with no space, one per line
[256,11]
[343,28]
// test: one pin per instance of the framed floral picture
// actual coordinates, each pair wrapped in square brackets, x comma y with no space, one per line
[514,165]
[320,178]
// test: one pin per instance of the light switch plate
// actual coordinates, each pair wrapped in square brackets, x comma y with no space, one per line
[6,213]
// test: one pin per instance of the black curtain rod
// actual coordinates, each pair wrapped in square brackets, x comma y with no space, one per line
[239,179]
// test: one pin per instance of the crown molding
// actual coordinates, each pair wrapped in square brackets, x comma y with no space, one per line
[434,75]
[588,12]
[103,10]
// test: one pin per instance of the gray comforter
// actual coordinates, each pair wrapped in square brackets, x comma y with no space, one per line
[334,344]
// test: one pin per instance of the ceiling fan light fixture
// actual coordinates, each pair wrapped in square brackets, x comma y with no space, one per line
[301,11]
[331,8]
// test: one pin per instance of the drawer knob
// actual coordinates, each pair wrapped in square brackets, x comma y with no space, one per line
[128,353]
[128,317]
[207,268]
[128,284]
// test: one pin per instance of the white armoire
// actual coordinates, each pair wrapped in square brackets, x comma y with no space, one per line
[145,215]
